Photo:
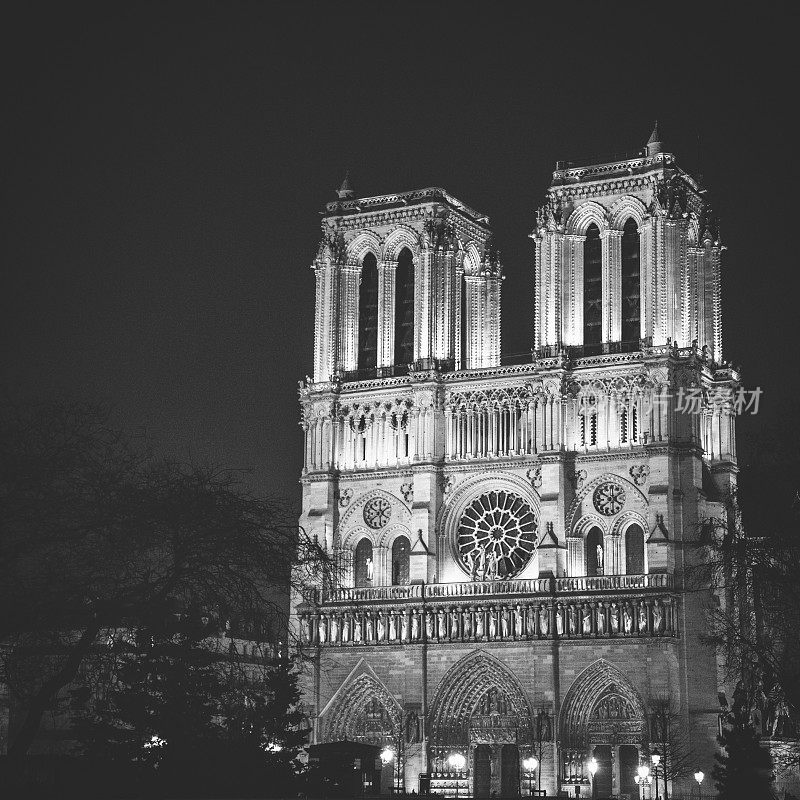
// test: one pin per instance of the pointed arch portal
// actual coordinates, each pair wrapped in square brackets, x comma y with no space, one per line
[480,708]
[602,706]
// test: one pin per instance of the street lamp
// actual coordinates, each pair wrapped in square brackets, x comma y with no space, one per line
[698,776]
[456,762]
[387,754]
[643,778]
[592,767]
[655,757]
[530,765]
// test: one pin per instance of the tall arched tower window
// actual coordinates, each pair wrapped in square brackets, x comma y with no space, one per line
[363,567]
[464,331]
[368,314]
[592,287]
[404,309]
[400,552]
[634,550]
[595,555]
[631,279]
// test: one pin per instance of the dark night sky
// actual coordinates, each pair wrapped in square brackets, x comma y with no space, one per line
[165,166]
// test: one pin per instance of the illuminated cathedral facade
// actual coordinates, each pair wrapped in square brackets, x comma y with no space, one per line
[513,540]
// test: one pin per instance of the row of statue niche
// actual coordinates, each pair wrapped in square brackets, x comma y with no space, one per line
[484,566]
[506,622]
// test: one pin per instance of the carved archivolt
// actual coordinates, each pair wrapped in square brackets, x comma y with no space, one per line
[463,693]
[365,242]
[404,236]
[600,691]
[584,215]
[352,523]
[625,208]
[364,710]
[582,506]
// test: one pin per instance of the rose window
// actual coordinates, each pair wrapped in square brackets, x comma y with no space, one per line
[609,498]
[496,536]
[377,512]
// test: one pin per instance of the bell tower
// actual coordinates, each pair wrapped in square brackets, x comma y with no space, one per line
[404,281]
[627,252]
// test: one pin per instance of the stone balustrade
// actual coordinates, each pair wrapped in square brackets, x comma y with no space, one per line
[493,618]
[529,586]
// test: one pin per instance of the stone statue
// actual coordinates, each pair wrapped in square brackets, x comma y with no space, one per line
[370,628]
[381,628]
[587,621]
[334,629]
[392,626]
[599,559]
[504,622]
[346,627]
[601,620]
[658,617]
[357,631]
[642,618]
[479,623]
[368,564]
[627,619]
[454,623]
[441,627]
[322,630]
[544,620]
[481,565]
[404,627]
[429,619]
[559,620]
[573,620]
[412,728]
[415,626]
[492,623]
[305,627]
[530,615]
[467,625]
[518,620]
[614,615]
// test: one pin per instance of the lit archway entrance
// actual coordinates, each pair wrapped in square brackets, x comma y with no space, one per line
[480,710]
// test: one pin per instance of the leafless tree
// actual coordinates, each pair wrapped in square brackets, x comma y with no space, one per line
[98,534]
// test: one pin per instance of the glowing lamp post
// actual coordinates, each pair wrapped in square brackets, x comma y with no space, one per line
[387,755]
[698,776]
[456,762]
[530,765]
[592,766]
[655,757]
[643,778]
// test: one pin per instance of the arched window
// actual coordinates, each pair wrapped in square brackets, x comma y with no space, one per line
[594,553]
[400,552]
[404,309]
[592,287]
[634,550]
[623,426]
[464,331]
[364,567]
[368,314]
[631,278]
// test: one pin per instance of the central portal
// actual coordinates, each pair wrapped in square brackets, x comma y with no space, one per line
[496,770]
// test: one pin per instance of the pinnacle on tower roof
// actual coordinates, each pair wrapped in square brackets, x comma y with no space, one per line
[346,191]
[654,142]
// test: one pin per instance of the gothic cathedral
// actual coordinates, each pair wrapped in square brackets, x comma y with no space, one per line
[514,540]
